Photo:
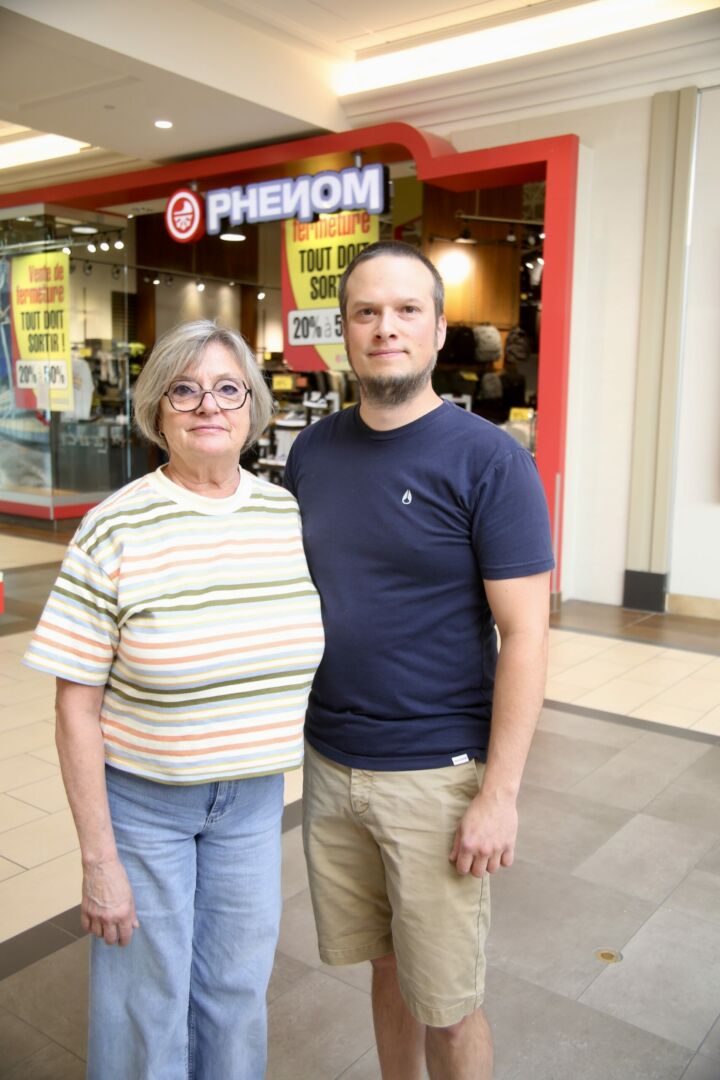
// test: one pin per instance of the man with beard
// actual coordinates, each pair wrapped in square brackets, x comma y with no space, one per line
[425,527]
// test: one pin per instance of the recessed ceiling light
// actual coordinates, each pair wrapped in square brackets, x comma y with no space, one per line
[85,230]
[38,148]
[163,124]
[233,237]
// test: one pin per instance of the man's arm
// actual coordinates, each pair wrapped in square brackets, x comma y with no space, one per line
[108,907]
[485,837]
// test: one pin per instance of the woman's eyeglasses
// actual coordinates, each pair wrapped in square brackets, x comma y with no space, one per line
[186,396]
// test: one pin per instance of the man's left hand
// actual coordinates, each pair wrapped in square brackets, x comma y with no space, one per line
[485,837]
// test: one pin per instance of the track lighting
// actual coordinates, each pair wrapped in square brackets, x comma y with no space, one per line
[465,237]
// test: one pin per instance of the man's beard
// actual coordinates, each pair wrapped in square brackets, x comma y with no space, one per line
[394,389]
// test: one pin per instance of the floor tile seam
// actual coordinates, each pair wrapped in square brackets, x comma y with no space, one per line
[633,641]
[329,970]
[355,1062]
[25,625]
[635,896]
[626,672]
[53,1039]
[298,982]
[33,568]
[21,725]
[596,1008]
[638,1027]
[654,726]
[27,1061]
[21,869]
[9,1009]
[24,802]
[290,820]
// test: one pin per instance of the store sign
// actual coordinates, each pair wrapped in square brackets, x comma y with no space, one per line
[314,256]
[41,331]
[300,197]
[185,216]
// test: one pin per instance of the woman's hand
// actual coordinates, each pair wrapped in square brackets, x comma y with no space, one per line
[108,906]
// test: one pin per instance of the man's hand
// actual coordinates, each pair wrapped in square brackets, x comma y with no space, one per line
[108,906]
[485,837]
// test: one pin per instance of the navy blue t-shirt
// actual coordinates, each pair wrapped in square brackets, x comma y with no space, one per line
[400,528]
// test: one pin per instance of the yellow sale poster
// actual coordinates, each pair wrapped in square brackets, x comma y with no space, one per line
[41,329]
[314,256]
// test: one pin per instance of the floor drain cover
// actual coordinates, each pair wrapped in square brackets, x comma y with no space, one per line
[608,956]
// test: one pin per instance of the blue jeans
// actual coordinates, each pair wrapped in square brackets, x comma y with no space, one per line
[186,998]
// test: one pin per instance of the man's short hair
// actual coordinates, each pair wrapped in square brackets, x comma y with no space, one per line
[399,248]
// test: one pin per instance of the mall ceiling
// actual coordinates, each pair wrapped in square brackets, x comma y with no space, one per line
[233,73]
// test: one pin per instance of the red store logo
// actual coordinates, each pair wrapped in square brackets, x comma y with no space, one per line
[185,216]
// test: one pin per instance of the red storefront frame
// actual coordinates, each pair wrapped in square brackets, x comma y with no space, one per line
[553,160]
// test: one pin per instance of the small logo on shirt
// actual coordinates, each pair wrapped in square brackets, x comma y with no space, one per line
[407,497]
[460,759]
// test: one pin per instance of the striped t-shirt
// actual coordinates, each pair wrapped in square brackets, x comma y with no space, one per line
[200,618]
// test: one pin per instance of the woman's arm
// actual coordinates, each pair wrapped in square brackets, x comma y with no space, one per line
[108,907]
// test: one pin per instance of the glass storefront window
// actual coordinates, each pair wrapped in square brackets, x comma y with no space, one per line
[67,360]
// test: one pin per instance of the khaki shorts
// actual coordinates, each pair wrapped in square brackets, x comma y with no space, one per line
[377,846]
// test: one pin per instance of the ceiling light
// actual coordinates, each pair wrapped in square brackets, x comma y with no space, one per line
[465,237]
[91,248]
[118,245]
[233,237]
[164,125]
[66,250]
[169,279]
[37,148]
[454,266]
[511,237]
[156,280]
[231,283]
[130,217]
[23,218]
[200,285]
[87,269]
[104,246]
[541,261]
[529,265]
[115,272]
[261,296]
[555,29]
[542,235]
[84,230]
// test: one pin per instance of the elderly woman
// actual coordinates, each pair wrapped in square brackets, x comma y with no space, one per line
[184,631]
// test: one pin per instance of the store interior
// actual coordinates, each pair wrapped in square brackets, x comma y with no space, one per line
[129,282]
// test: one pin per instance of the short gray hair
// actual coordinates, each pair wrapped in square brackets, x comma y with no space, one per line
[402,250]
[177,352]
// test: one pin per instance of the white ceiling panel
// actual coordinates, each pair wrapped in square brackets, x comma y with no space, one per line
[334,24]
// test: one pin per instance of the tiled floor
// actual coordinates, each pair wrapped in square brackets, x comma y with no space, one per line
[619,849]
